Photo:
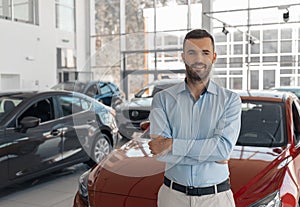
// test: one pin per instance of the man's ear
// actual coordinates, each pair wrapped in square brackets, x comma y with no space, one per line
[214,58]
[182,57]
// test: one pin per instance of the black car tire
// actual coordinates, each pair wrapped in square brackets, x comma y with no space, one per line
[101,148]
[127,135]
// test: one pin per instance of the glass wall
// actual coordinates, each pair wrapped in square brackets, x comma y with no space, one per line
[25,11]
[66,65]
[5,9]
[147,37]
[138,41]
[261,44]
[65,15]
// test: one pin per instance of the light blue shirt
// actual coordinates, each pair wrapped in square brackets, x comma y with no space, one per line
[203,132]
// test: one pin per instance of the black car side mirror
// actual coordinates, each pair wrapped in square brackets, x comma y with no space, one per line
[29,122]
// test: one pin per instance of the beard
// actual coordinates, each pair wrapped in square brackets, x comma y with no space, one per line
[198,76]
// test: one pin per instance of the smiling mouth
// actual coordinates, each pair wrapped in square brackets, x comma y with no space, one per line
[198,67]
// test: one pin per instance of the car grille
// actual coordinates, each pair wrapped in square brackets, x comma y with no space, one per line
[136,115]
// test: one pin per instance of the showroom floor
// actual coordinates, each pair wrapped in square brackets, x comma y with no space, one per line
[53,190]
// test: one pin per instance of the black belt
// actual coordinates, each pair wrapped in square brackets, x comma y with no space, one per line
[196,191]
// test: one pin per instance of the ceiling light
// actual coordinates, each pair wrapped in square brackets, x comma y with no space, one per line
[251,41]
[286,16]
[224,30]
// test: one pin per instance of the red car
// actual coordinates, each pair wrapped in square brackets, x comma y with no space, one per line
[264,166]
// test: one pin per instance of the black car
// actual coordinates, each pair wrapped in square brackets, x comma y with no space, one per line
[105,92]
[50,130]
[129,115]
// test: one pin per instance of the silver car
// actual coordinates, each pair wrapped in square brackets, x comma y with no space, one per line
[129,115]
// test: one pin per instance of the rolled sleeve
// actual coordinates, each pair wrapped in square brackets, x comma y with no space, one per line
[158,119]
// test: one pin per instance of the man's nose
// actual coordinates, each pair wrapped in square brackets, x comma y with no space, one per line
[200,55]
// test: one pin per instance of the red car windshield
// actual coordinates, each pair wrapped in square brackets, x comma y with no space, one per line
[263,124]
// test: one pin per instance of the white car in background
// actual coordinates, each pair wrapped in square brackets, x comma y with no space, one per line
[129,115]
[293,89]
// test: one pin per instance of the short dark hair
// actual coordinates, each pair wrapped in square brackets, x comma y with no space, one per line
[199,34]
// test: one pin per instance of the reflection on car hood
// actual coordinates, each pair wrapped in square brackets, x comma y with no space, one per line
[133,171]
[138,103]
[250,163]
[141,102]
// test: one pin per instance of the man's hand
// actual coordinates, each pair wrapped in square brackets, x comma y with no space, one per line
[222,161]
[160,145]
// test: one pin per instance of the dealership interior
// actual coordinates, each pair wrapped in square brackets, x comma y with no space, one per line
[132,43]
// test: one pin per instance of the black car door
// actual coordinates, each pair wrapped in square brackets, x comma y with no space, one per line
[38,148]
[3,158]
[80,124]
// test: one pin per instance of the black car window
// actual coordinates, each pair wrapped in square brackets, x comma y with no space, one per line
[143,93]
[42,109]
[114,87]
[92,91]
[7,105]
[72,104]
[104,88]
[150,90]
[263,124]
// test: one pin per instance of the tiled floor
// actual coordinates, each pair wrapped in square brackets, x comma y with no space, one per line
[53,190]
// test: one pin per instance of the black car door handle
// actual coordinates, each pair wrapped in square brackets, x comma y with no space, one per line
[90,121]
[55,132]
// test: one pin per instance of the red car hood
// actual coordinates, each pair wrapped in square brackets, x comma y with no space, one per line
[132,171]
[251,166]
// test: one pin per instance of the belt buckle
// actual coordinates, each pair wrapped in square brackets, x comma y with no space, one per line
[187,190]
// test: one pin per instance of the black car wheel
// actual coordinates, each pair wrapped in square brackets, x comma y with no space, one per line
[126,134]
[101,148]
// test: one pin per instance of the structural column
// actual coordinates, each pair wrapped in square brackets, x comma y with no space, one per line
[206,21]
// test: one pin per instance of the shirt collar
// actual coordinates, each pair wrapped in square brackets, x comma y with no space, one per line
[211,88]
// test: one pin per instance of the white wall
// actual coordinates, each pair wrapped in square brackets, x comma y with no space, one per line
[30,50]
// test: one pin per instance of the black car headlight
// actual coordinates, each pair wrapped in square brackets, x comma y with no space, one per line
[271,200]
[83,185]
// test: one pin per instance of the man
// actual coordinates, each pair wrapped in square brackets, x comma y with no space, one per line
[194,127]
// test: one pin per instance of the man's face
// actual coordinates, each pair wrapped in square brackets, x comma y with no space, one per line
[198,56]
